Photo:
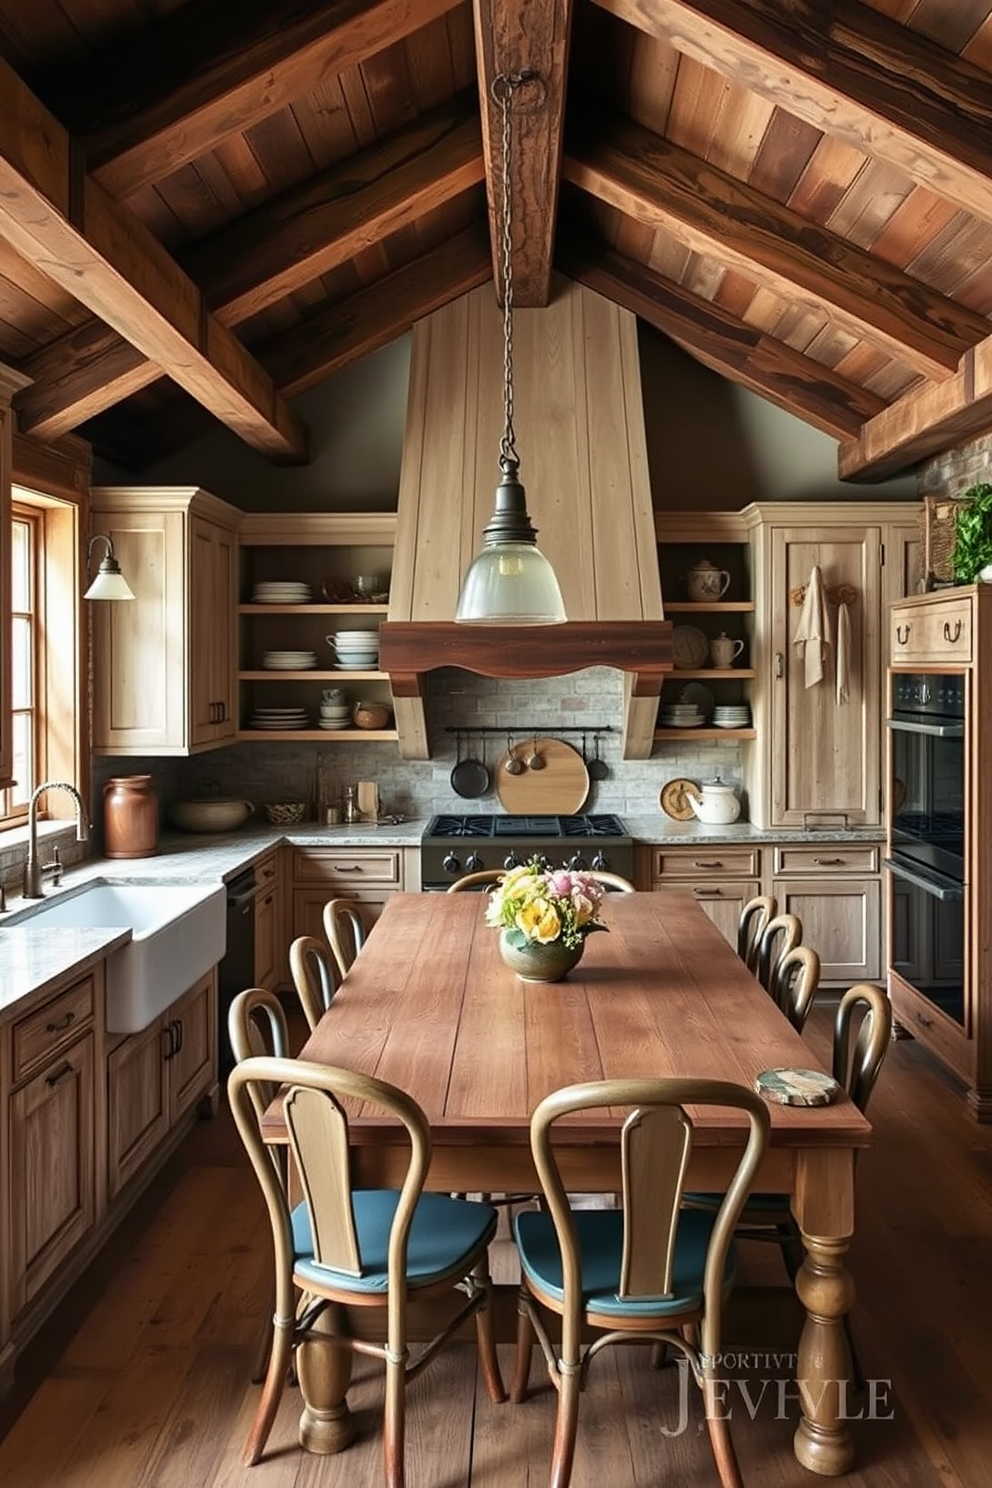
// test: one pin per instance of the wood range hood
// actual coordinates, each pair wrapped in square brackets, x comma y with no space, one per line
[579,422]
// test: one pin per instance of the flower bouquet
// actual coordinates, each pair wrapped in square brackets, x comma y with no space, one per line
[540,910]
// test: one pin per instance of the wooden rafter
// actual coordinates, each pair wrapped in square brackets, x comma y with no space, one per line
[747,356]
[153,104]
[510,38]
[267,254]
[663,186]
[850,72]
[101,254]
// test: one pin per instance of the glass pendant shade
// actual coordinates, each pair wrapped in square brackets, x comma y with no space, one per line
[510,582]
[109,583]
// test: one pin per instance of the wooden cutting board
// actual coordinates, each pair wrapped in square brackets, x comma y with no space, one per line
[560,789]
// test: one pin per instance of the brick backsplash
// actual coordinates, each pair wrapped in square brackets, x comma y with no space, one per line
[950,473]
[457,701]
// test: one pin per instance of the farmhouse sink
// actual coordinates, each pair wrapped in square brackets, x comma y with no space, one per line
[178,932]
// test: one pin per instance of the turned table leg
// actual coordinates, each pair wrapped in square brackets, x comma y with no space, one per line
[323,1368]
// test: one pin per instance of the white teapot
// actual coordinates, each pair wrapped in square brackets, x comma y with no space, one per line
[706,583]
[718,805]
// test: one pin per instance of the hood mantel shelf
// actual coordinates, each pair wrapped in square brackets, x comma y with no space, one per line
[408,649]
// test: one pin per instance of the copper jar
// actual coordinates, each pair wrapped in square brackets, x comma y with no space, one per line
[130,817]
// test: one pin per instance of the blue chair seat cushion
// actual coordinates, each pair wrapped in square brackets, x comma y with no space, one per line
[445,1237]
[600,1236]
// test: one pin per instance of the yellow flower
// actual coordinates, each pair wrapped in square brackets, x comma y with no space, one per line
[539,921]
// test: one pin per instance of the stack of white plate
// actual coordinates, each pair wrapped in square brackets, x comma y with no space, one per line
[289,661]
[281,591]
[335,718]
[681,715]
[356,650]
[736,716]
[287,719]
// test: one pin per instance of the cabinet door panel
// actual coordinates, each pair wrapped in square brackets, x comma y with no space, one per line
[841,921]
[213,601]
[825,753]
[308,907]
[191,1066]
[137,1102]
[721,901]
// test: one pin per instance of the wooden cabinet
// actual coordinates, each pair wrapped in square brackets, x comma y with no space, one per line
[936,632]
[164,663]
[721,878]
[271,966]
[835,889]
[153,1077]
[366,876]
[51,1200]
[326,551]
[819,759]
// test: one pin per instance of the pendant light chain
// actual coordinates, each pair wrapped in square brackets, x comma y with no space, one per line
[502,91]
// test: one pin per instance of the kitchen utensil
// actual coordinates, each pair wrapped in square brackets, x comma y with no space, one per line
[690,647]
[706,583]
[724,650]
[511,764]
[560,789]
[470,777]
[673,800]
[598,768]
[535,760]
[368,800]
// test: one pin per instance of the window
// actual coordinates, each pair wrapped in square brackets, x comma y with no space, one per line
[25,653]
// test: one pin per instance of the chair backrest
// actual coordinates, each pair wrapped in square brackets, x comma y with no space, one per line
[857,1070]
[655,1141]
[614,881]
[782,933]
[794,980]
[315,1103]
[476,880]
[345,931]
[256,1027]
[315,976]
[753,919]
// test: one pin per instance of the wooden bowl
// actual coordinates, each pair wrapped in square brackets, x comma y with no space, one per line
[370,716]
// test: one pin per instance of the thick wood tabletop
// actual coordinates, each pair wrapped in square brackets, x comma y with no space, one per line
[430,1006]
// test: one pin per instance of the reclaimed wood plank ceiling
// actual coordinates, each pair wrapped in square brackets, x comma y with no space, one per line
[207,208]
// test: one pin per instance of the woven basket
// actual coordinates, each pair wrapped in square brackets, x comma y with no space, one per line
[938,520]
[286,813]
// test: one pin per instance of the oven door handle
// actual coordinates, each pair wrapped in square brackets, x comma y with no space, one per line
[932,730]
[942,889]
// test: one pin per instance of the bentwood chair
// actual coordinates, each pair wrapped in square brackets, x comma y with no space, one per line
[753,918]
[345,931]
[471,882]
[781,934]
[352,1247]
[614,881]
[650,1271]
[794,981]
[315,976]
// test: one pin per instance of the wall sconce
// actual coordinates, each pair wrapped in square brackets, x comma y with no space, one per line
[109,583]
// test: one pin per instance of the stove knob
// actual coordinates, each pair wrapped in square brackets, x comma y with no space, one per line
[600,862]
[473,863]
[577,863]
[451,864]
[511,860]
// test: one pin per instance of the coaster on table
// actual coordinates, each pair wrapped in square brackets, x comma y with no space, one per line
[797,1087]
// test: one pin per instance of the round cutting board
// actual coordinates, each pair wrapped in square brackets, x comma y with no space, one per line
[560,789]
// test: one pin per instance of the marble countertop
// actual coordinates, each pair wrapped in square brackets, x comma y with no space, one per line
[33,961]
[661,831]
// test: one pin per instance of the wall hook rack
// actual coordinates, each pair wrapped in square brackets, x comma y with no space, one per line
[835,594]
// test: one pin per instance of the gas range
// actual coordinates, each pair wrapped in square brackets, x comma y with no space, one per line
[453,845]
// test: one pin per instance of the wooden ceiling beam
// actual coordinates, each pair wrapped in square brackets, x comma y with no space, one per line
[68,226]
[849,71]
[923,423]
[268,254]
[157,101]
[716,215]
[739,352]
[511,38]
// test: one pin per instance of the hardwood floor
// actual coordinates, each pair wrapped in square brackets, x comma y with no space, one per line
[142,1380]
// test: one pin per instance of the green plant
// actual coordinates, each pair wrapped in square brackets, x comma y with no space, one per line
[973,533]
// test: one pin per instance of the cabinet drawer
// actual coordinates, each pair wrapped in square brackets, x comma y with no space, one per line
[948,1041]
[833,857]
[44,1031]
[354,868]
[939,632]
[267,871]
[700,863]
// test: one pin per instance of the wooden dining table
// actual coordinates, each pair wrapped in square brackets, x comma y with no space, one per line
[429,1006]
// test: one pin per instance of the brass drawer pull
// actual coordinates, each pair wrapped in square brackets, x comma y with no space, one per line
[902,634]
[59,1075]
[828,862]
[62,1024]
[947,631]
[336,868]
[707,863]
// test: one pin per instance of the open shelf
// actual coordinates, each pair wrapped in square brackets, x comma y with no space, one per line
[666,735]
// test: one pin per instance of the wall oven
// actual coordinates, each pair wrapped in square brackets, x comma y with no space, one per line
[926,862]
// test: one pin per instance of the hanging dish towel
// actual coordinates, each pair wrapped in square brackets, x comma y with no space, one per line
[843,653]
[812,637]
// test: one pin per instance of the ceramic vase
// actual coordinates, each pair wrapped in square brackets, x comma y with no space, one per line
[535,962]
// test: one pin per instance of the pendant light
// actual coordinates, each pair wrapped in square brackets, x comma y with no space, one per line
[510,582]
[109,583]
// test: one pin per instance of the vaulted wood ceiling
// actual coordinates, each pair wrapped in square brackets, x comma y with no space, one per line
[208,207]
